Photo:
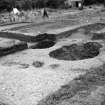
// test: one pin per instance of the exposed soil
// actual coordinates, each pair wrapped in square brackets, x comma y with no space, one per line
[77,52]
[13,49]
[54,66]
[28,38]
[44,41]
[85,84]
[87,30]
[17,36]
[43,45]
[98,36]
[38,64]
[28,86]
[16,63]
[45,36]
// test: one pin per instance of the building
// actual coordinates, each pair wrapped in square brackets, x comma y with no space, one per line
[75,3]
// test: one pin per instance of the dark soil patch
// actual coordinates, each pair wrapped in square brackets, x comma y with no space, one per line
[24,66]
[98,36]
[21,65]
[52,37]
[28,38]
[13,49]
[44,41]
[88,82]
[43,45]
[17,36]
[38,64]
[77,52]
[94,27]
[45,37]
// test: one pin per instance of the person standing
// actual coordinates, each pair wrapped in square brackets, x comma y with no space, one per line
[45,14]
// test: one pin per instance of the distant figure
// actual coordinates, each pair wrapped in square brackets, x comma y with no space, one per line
[15,15]
[45,14]
[16,11]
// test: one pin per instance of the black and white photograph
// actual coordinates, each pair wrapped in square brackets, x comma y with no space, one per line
[52,52]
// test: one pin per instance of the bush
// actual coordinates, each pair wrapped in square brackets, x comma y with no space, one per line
[31,4]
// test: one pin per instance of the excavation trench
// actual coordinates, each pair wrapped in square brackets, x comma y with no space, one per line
[12,49]
[87,30]
[43,41]
[98,36]
[52,37]
[77,52]
[28,38]
[43,45]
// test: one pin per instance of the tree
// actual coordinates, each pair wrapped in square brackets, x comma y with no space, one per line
[30,4]
[55,3]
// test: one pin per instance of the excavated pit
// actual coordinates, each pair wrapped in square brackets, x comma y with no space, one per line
[98,36]
[43,45]
[41,41]
[45,36]
[77,52]
[44,41]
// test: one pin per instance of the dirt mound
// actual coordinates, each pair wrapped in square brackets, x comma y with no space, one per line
[77,52]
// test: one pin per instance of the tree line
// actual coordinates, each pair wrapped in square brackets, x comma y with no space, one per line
[89,2]
[31,4]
